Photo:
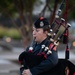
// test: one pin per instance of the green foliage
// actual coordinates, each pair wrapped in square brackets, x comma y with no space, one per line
[10,6]
[12,33]
[15,6]
[2,32]
[28,5]
[72,15]
[7,7]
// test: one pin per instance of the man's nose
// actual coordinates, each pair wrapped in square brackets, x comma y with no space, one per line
[34,32]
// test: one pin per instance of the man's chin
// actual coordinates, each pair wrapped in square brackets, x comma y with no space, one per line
[35,40]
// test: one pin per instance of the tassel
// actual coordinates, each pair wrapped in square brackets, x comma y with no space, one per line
[67,52]
[65,38]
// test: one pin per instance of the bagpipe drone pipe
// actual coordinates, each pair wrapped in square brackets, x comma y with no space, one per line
[64,66]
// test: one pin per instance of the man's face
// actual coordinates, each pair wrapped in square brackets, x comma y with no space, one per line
[39,35]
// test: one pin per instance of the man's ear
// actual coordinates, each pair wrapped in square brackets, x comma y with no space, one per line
[46,32]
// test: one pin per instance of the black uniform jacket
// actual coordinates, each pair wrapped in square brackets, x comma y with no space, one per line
[44,67]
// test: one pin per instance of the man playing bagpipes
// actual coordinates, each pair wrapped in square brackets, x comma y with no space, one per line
[39,59]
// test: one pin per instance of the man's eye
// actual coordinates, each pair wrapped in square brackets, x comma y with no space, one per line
[37,30]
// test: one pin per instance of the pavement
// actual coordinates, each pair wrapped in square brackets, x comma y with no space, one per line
[8,66]
[61,55]
[9,62]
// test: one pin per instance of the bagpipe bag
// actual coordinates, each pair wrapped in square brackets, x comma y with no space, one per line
[64,66]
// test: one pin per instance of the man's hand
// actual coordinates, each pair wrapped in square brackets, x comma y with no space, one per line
[26,72]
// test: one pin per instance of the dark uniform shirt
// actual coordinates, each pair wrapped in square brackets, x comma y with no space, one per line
[46,65]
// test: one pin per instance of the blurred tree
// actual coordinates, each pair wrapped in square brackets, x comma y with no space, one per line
[22,9]
[71,11]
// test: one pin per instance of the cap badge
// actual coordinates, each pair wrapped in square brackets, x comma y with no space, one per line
[41,24]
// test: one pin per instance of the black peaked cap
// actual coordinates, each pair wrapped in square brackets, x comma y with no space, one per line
[41,22]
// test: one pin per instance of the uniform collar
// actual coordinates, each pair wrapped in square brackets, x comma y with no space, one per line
[43,42]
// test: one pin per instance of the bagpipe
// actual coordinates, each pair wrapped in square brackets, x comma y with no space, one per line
[64,66]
